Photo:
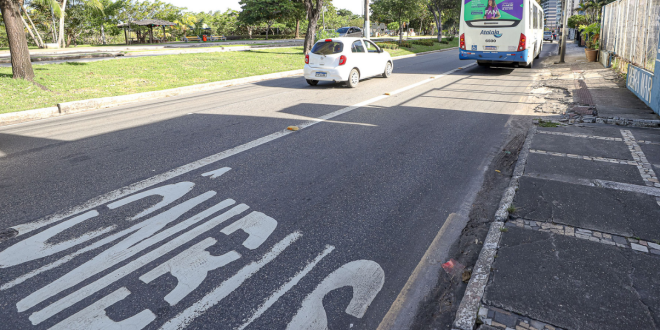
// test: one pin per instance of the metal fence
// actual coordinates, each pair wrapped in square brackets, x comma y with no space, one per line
[630,29]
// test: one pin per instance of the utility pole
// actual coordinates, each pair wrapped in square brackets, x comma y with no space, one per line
[367,24]
[564,32]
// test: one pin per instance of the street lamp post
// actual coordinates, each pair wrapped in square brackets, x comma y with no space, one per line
[564,32]
[367,24]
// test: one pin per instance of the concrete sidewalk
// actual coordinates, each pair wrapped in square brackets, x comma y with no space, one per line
[586,92]
[581,246]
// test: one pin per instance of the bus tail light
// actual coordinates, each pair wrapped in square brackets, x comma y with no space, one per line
[307,59]
[463,42]
[522,44]
[342,60]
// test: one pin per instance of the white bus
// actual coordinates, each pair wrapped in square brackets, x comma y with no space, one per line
[501,31]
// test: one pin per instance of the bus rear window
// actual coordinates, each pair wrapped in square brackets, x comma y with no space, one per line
[480,10]
[327,48]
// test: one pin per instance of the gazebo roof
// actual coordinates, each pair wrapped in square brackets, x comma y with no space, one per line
[148,22]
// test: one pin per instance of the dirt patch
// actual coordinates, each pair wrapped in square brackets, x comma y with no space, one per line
[439,309]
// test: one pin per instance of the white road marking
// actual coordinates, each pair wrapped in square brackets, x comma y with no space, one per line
[94,316]
[86,291]
[190,268]
[286,287]
[257,225]
[157,179]
[53,231]
[170,193]
[365,276]
[228,286]
[36,247]
[217,173]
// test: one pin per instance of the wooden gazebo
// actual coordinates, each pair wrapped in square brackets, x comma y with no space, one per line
[151,23]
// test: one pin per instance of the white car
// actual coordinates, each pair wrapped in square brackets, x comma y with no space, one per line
[346,59]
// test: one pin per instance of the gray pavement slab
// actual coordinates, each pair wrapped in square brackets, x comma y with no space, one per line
[606,210]
[583,169]
[652,152]
[581,146]
[574,283]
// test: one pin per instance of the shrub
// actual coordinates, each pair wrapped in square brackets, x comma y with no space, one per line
[388,45]
[406,44]
[423,42]
[444,42]
[450,38]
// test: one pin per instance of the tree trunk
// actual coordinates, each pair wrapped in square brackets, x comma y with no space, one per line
[297,28]
[41,42]
[267,28]
[27,27]
[438,21]
[249,31]
[54,26]
[21,66]
[102,34]
[313,15]
[60,40]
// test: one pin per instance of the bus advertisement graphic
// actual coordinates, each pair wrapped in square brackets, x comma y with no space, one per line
[511,10]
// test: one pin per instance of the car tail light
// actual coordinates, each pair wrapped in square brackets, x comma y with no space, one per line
[307,59]
[522,44]
[463,41]
[342,60]
[328,40]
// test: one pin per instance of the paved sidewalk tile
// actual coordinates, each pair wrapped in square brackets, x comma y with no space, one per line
[602,209]
[581,146]
[573,283]
[583,169]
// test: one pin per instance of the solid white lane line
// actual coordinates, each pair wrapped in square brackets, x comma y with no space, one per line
[286,287]
[184,318]
[157,179]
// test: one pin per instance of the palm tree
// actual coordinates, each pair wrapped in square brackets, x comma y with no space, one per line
[59,8]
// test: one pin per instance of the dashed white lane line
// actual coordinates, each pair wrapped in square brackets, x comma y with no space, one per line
[157,179]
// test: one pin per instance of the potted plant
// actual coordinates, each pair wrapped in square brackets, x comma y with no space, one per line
[593,44]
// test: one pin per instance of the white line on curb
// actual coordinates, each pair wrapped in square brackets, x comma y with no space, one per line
[157,179]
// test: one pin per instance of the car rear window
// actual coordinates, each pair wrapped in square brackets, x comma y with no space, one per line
[327,48]
[342,30]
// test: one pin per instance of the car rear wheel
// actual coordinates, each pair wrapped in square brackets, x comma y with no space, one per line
[388,70]
[353,79]
[312,82]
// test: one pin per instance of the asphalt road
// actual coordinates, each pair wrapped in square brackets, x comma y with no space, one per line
[238,223]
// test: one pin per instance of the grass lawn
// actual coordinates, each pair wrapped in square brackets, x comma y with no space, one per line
[79,81]
[420,49]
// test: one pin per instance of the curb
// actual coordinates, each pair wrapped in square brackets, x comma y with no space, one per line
[28,115]
[63,58]
[113,101]
[466,315]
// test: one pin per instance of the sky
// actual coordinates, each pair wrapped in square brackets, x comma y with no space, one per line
[205,5]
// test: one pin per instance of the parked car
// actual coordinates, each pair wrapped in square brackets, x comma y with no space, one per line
[547,35]
[352,31]
[346,60]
